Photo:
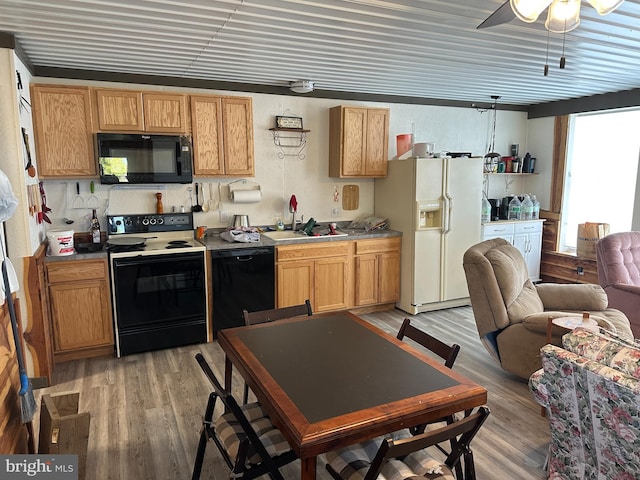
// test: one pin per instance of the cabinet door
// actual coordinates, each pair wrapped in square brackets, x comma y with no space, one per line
[354,138]
[237,124]
[295,283]
[206,127]
[63,131]
[367,280]
[119,110]
[534,255]
[389,277]
[377,142]
[81,314]
[331,288]
[165,113]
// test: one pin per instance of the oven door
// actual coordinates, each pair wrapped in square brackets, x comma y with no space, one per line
[160,301]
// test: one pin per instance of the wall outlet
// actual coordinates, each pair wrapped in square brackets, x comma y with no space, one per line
[335,212]
[225,216]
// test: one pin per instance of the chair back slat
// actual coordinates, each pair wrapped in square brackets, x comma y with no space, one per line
[448,353]
[263,316]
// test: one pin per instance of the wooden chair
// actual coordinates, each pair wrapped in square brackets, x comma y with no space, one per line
[249,443]
[264,316]
[448,353]
[403,457]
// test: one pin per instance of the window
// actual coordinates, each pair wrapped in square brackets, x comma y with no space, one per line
[601,173]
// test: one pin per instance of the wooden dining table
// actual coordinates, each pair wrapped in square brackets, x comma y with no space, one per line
[331,380]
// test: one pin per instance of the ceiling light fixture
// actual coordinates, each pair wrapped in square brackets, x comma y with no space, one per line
[562,16]
[301,86]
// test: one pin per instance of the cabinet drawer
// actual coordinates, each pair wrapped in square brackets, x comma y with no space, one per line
[497,230]
[528,227]
[380,245]
[316,250]
[73,271]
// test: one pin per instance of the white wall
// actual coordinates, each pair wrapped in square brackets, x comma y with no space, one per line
[452,129]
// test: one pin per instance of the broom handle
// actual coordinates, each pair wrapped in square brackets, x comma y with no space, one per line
[24,379]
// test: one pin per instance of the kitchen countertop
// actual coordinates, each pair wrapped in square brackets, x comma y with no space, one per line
[213,241]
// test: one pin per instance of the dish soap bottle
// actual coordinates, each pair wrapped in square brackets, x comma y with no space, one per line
[94,228]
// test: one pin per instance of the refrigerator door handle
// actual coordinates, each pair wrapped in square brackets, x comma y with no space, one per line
[446,214]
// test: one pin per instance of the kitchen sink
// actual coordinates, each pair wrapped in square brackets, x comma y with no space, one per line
[283,235]
[289,235]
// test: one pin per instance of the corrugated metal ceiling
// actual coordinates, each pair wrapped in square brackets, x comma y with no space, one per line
[426,49]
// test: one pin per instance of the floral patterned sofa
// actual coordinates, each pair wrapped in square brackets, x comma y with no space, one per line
[591,392]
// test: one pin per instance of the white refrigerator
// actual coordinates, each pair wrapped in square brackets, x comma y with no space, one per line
[436,204]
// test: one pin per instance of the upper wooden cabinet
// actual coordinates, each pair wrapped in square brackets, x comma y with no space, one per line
[134,111]
[62,118]
[358,142]
[222,130]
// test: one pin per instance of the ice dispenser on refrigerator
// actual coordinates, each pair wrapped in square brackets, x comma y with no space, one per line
[429,214]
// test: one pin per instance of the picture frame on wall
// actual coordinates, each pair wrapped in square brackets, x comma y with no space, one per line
[288,122]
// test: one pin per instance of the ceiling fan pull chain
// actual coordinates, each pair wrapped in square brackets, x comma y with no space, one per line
[546,61]
[563,60]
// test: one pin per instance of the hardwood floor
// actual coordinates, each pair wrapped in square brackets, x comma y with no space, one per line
[146,409]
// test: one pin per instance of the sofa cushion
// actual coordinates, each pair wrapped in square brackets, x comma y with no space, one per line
[606,349]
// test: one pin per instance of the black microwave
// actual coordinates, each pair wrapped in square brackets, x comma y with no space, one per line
[137,158]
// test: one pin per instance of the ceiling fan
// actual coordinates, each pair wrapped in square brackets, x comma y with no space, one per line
[563,16]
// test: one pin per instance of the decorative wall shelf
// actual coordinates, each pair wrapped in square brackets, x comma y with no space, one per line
[288,139]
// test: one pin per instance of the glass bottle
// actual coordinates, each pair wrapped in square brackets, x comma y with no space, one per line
[536,208]
[94,228]
[526,209]
[514,208]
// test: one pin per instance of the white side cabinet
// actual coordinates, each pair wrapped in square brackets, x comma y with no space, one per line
[526,236]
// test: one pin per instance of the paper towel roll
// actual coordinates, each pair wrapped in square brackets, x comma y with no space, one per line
[246,196]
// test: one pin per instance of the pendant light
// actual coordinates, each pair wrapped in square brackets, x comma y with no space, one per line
[563,16]
[604,7]
[492,159]
[529,10]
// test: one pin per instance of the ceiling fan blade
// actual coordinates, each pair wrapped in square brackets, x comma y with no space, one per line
[502,15]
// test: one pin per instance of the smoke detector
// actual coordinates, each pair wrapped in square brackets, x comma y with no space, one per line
[301,86]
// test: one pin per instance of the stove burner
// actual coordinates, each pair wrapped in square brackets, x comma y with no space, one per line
[176,245]
[178,242]
[125,248]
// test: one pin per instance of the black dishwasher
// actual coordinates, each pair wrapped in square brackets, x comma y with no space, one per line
[243,278]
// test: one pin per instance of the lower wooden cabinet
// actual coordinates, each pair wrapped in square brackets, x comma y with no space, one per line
[320,272]
[80,307]
[377,271]
[339,275]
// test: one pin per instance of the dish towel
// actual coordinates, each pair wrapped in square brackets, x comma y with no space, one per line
[244,235]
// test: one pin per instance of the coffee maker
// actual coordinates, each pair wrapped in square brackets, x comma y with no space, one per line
[495,208]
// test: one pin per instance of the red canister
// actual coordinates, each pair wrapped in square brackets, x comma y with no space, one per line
[508,164]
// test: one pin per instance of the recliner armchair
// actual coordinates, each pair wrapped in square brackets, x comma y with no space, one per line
[618,257]
[512,314]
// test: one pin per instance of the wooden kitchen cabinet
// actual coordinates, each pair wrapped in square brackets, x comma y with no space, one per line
[320,272]
[377,271]
[358,142]
[135,111]
[62,119]
[80,307]
[222,129]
